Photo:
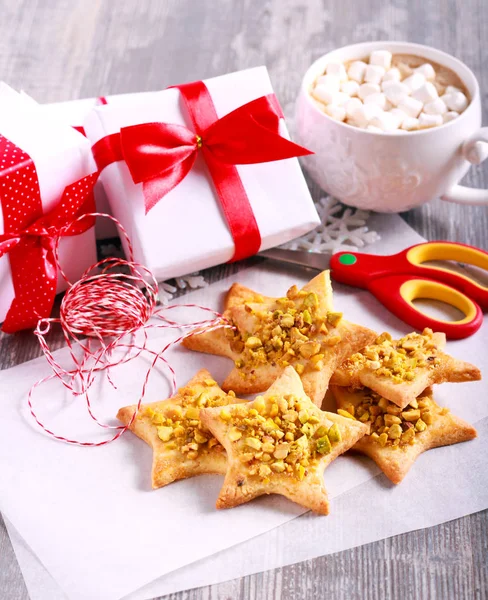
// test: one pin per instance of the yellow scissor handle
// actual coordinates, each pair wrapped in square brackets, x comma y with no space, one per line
[449,251]
[433,290]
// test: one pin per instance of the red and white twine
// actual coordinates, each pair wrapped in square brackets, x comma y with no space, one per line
[113,302]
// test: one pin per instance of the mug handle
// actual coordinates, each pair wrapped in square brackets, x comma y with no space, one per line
[474,150]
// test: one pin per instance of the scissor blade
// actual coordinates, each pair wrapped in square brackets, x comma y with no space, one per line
[312,260]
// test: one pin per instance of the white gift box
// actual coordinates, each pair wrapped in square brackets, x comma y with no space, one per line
[61,156]
[186,230]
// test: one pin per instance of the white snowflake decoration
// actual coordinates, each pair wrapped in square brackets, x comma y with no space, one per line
[339,229]
[167,290]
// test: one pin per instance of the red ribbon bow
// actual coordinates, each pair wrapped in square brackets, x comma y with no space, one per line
[160,155]
[30,237]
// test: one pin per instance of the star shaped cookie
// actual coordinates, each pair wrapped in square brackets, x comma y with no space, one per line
[400,370]
[182,446]
[280,444]
[300,329]
[397,437]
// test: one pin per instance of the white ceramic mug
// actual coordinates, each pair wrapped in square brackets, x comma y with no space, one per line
[392,172]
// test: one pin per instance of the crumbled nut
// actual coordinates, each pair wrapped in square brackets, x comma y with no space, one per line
[165,433]
[253,343]
[408,435]
[282,450]
[411,415]
[234,434]
[420,425]
[334,434]
[225,415]
[308,349]
[311,300]
[323,445]
[391,420]
[345,413]
[200,438]
[253,442]
[287,321]
[333,318]
[278,466]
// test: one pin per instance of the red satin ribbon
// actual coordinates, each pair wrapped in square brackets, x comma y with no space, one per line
[160,155]
[29,237]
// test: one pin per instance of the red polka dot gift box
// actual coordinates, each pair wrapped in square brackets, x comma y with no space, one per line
[46,185]
[202,173]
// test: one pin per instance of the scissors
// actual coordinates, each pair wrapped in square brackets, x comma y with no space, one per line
[399,279]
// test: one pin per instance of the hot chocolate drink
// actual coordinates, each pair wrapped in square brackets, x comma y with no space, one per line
[390,93]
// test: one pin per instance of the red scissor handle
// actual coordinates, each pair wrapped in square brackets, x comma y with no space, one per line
[360,270]
[397,293]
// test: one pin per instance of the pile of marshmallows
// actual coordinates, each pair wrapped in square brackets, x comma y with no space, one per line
[374,97]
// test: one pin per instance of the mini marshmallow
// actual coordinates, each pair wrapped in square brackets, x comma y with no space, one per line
[427,70]
[337,113]
[322,93]
[374,74]
[410,124]
[337,69]
[437,107]
[392,74]
[426,120]
[452,88]
[373,128]
[352,106]
[395,91]
[399,115]
[415,81]
[340,98]
[331,82]
[378,98]
[450,116]
[411,106]
[368,88]
[385,121]
[364,114]
[357,70]
[426,93]
[455,101]
[350,87]
[381,58]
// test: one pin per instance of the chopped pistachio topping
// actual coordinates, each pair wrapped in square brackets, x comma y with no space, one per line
[281,434]
[290,331]
[178,424]
[397,359]
[390,425]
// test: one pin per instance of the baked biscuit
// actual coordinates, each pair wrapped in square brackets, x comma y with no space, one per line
[269,334]
[400,370]
[182,447]
[280,444]
[397,437]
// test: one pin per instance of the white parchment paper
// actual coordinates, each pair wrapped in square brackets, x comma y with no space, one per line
[90,518]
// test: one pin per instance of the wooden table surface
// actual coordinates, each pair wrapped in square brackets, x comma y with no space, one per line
[62,49]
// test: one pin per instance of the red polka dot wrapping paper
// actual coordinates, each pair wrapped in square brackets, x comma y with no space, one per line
[39,158]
